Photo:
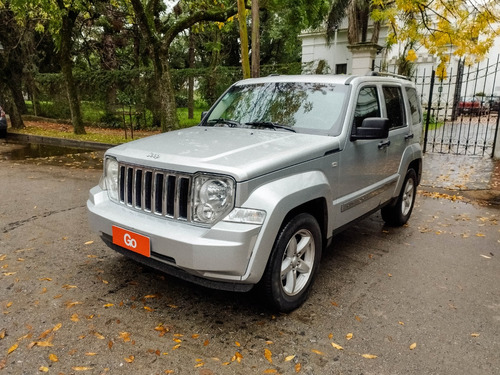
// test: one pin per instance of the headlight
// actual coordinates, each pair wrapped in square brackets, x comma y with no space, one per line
[213,198]
[109,180]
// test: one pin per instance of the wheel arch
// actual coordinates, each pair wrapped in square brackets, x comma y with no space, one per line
[318,209]
[283,199]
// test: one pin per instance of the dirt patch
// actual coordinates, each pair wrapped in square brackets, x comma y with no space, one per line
[67,128]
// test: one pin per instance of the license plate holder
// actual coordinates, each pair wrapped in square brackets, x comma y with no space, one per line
[132,241]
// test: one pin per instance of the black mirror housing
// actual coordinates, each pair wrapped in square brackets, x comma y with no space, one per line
[372,128]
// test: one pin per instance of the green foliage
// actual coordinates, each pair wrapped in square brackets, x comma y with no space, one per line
[132,87]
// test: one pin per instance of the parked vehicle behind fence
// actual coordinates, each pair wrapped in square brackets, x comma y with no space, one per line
[472,106]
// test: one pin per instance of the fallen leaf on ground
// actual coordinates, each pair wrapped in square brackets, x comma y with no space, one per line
[43,369]
[336,346]
[81,368]
[475,334]
[129,359]
[289,358]
[53,358]
[268,355]
[413,346]
[125,336]
[317,352]
[12,348]
[71,304]
[369,356]
[349,336]
[298,366]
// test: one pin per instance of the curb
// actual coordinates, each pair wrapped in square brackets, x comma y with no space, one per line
[28,138]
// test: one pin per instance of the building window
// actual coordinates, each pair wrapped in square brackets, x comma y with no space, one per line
[341,69]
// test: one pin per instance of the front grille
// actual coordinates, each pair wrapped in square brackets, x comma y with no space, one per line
[159,192]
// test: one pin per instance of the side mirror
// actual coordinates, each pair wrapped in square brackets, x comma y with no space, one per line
[371,128]
[203,114]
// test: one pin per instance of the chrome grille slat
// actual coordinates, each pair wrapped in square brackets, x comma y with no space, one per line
[155,191]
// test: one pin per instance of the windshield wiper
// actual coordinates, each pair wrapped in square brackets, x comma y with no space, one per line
[270,124]
[230,123]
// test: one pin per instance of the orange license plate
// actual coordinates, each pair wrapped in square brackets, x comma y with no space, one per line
[132,241]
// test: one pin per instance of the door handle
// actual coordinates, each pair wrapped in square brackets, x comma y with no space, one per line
[409,136]
[384,144]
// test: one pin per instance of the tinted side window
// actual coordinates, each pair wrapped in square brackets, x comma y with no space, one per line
[416,113]
[395,106]
[367,105]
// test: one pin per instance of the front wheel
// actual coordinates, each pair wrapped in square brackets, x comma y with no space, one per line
[398,214]
[293,263]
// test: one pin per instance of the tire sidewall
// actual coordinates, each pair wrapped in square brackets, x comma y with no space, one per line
[393,214]
[274,289]
[410,175]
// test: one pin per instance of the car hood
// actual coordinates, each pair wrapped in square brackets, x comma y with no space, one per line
[242,153]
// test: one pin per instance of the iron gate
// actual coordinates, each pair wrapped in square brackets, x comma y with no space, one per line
[462,109]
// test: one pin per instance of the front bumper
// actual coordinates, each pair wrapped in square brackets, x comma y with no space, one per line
[209,256]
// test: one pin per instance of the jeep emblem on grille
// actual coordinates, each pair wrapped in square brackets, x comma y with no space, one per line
[152,155]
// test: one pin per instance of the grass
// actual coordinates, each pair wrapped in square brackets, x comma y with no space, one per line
[95,131]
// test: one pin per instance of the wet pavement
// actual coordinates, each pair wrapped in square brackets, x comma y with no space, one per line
[420,299]
[457,172]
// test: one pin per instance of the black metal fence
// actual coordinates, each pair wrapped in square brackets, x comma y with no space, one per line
[462,108]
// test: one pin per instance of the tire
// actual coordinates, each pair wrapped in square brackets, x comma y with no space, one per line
[293,263]
[398,214]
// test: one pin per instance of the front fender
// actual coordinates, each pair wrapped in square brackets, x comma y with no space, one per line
[278,198]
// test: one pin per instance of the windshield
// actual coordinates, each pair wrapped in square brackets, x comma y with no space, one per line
[311,107]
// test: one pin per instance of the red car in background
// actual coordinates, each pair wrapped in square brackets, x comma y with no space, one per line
[472,106]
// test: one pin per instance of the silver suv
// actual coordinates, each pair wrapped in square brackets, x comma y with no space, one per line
[255,192]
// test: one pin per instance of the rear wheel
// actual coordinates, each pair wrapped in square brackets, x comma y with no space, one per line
[293,263]
[398,214]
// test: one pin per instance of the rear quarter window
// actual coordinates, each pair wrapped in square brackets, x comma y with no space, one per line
[416,111]
[394,105]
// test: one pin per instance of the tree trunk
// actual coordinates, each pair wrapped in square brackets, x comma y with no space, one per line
[169,120]
[242,21]
[255,39]
[191,78]
[68,21]
[10,107]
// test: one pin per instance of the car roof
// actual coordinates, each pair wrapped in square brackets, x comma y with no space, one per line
[340,79]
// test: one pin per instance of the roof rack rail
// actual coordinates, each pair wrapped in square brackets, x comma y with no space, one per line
[387,74]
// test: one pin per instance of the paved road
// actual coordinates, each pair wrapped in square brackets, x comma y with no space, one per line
[423,299]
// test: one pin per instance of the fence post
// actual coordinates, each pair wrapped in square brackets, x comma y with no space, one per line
[429,107]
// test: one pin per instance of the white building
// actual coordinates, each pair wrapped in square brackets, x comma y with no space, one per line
[339,60]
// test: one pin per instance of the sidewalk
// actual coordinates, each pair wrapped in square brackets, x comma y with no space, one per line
[471,176]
